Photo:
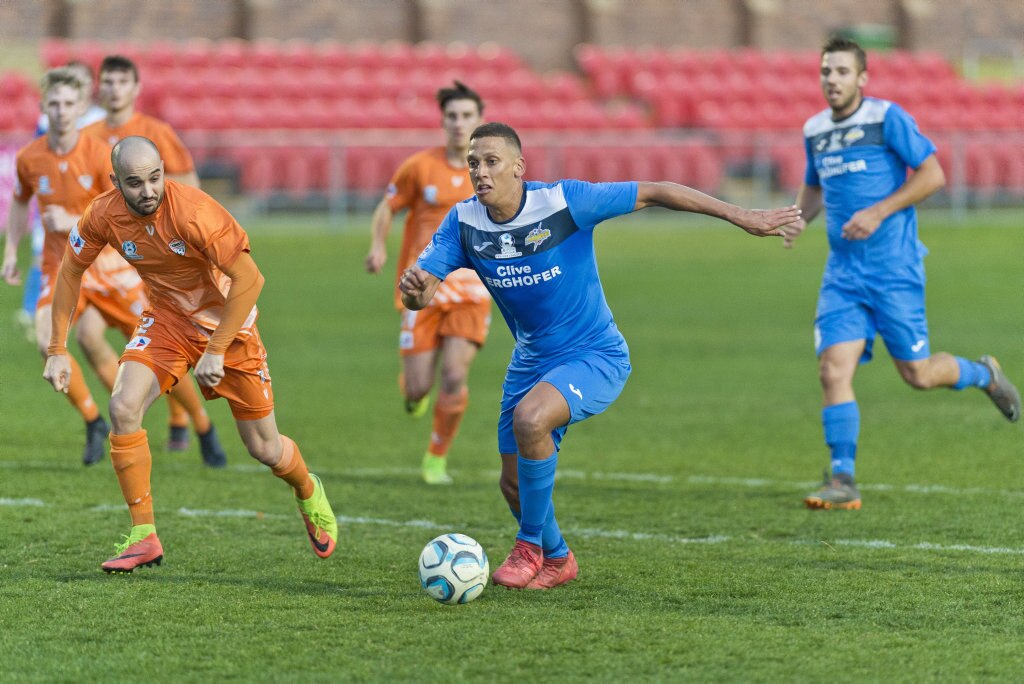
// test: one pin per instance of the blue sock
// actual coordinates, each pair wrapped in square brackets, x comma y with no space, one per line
[842,427]
[972,374]
[536,483]
[31,295]
[552,542]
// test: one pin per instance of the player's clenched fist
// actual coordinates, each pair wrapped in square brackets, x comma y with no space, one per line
[58,372]
[209,370]
[413,281]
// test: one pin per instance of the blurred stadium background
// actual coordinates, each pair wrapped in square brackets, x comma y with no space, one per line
[311,105]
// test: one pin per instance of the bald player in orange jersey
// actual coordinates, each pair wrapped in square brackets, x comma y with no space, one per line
[204,284]
[118,90]
[454,326]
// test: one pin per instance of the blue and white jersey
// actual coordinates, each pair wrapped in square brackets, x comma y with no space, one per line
[859,161]
[539,266]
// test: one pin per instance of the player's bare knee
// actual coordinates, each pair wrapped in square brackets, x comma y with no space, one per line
[416,389]
[916,375]
[453,380]
[529,423]
[832,373]
[125,413]
[265,450]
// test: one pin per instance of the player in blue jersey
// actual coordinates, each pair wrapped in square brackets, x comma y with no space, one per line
[858,152]
[533,246]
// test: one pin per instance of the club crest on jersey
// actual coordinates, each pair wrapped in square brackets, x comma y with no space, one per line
[138,342]
[457,181]
[129,250]
[44,186]
[537,236]
[177,246]
[85,181]
[75,240]
[508,247]
[853,135]
[430,194]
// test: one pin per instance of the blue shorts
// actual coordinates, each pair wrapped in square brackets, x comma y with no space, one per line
[590,381]
[858,308]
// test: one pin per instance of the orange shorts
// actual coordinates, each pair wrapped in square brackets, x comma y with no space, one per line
[169,344]
[423,330]
[120,309]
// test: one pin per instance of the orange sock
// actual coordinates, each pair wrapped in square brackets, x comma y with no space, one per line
[133,463]
[448,414]
[185,403]
[292,469]
[79,394]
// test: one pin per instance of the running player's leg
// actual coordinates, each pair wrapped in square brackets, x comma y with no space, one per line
[184,403]
[419,346]
[96,429]
[90,331]
[135,389]
[457,356]
[248,388]
[904,327]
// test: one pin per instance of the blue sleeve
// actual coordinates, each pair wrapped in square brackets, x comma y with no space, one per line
[591,203]
[444,253]
[811,174]
[904,138]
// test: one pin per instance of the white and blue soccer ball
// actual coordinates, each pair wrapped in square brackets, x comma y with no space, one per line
[453,568]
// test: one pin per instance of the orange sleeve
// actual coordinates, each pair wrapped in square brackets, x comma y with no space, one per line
[22,186]
[246,284]
[65,298]
[404,186]
[86,240]
[103,181]
[217,234]
[177,159]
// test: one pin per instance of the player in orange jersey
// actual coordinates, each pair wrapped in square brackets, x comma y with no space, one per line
[64,171]
[119,88]
[194,257]
[449,332]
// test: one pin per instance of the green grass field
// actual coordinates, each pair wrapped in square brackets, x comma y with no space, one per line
[682,502]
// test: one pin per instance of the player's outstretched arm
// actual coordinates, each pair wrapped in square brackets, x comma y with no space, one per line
[246,285]
[380,226]
[758,222]
[65,297]
[809,202]
[17,226]
[418,287]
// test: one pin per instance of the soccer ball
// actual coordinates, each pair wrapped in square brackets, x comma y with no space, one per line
[453,568]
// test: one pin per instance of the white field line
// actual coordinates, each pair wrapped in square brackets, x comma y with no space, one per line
[590,533]
[18,503]
[597,476]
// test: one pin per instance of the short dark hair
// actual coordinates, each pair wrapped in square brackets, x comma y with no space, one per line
[119,63]
[844,44]
[460,92]
[496,129]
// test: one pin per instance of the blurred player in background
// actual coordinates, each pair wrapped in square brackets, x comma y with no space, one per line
[91,112]
[858,151]
[204,285]
[533,245]
[449,332]
[118,91]
[63,170]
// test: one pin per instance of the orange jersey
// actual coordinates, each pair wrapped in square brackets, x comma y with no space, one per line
[179,250]
[177,159]
[69,180]
[428,186]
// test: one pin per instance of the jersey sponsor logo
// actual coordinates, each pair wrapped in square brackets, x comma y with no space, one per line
[576,391]
[520,276]
[508,247]
[430,194]
[405,340]
[177,246]
[537,236]
[85,181]
[44,186]
[75,240]
[138,343]
[129,250]
[836,166]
